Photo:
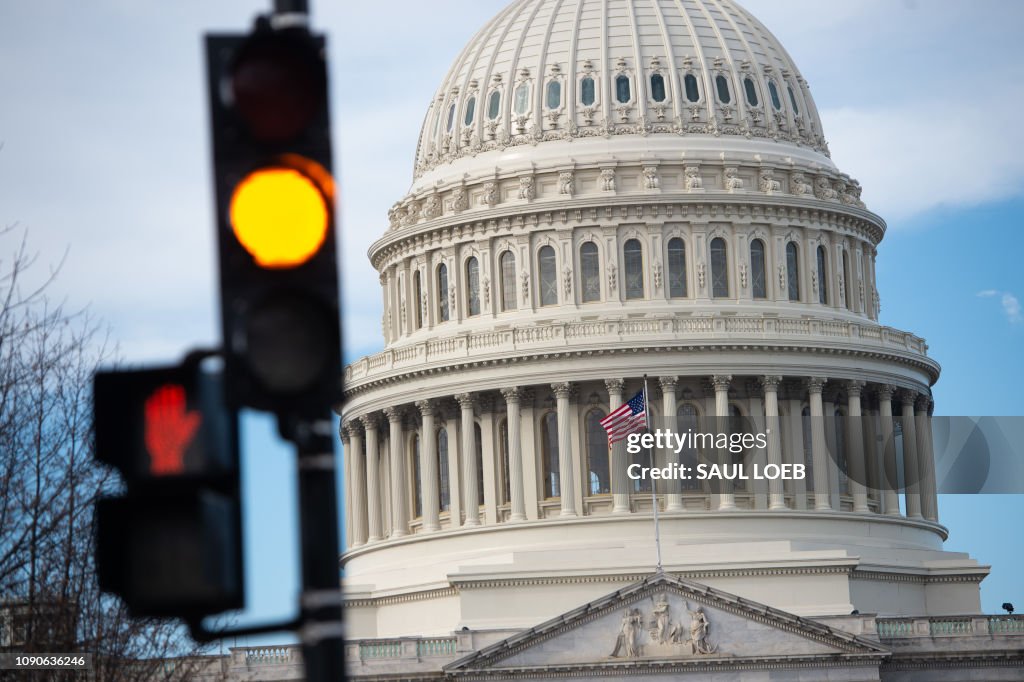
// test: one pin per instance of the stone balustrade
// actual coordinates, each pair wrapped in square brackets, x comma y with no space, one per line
[951,626]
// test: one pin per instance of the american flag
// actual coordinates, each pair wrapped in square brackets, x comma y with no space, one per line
[630,418]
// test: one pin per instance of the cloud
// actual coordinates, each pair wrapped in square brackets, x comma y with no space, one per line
[1011,304]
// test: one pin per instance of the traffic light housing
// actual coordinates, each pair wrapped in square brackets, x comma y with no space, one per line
[275,220]
[171,544]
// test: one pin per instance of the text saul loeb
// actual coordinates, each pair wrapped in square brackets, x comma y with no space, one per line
[705,442]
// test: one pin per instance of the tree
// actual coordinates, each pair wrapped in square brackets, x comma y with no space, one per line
[49,598]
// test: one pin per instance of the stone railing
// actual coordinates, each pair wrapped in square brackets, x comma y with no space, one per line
[266,655]
[667,329]
[950,626]
[405,648]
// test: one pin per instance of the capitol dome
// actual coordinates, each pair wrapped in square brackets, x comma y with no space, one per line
[606,190]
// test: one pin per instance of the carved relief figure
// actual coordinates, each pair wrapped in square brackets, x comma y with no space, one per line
[660,620]
[490,195]
[565,183]
[651,177]
[626,645]
[693,179]
[526,190]
[769,185]
[733,181]
[823,189]
[459,200]
[699,627]
[799,185]
[608,180]
[412,213]
[431,207]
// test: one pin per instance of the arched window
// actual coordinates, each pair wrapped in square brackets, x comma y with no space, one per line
[549,446]
[750,91]
[494,105]
[599,480]
[657,87]
[443,480]
[590,266]
[554,94]
[507,264]
[792,99]
[548,276]
[478,443]
[522,99]
[633,255]
[848,284]
[773,92]
[758,281]
[587,96]
[722,85]
[793,271]
[442,292]
[687,422]
[505,485]
[622,89]
[470,111]
[451,117]
[822,276]
[676,268]
[692,91]
[417,297]
[417,486]
[719,269]
[472,286]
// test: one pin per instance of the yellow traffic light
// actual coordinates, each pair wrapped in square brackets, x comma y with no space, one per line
[280,215]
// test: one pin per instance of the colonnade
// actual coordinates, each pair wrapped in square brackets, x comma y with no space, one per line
[533,452]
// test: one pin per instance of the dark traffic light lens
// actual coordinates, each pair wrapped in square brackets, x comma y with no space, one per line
[278,84]
[290,342]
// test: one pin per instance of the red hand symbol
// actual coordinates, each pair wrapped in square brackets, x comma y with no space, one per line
[169,430]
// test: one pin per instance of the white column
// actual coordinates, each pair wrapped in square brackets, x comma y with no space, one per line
[354,452]
[429,474]
[818,453]
[529,437]
[515,456]
[726,500]
[620,481]
[673,494]
[776,491]
[373,509]
[911,469]
[566,474]
[399,491]
[470,490]
[890,479]
[856,455]
[489,461]
[926,459]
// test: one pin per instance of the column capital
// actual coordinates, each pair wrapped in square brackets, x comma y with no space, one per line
[345,431]
[668,383]
[815,384]
[770,382]
[854,388]
[466,400]
[394,414]
[512,395]
[426,407]
[923,402]
[370,421]
[908,395]
[563,389]
[614,385]
[885,391]
[721,382]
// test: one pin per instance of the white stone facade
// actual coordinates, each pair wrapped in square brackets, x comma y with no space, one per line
[606,190]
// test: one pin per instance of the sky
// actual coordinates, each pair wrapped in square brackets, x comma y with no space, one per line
[105,164]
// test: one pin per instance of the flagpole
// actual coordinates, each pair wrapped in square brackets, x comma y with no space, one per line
[654,492]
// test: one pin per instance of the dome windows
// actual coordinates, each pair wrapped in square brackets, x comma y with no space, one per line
[719,269]
[548,276]
[792,99]
[758,281]
[658,87]
[676,268]
[822,276]
[442,292]
[494,105]
[472,287]
[623,89]
[692,90]
[554,95]
[773,92]
[590,266]
[451,117]
[470,111]
[722,87]
[751,92]
[633,257]
[507,265]
[587,93]
[522,99]
[793,271]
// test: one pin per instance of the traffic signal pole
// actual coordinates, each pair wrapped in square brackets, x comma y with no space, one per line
[321,632]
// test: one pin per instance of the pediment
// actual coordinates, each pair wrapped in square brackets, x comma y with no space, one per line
[665,620]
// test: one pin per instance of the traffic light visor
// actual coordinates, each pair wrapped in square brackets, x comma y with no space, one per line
[280,216]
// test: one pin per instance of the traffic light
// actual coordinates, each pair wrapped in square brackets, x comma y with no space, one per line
[275,220]
[171,545]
